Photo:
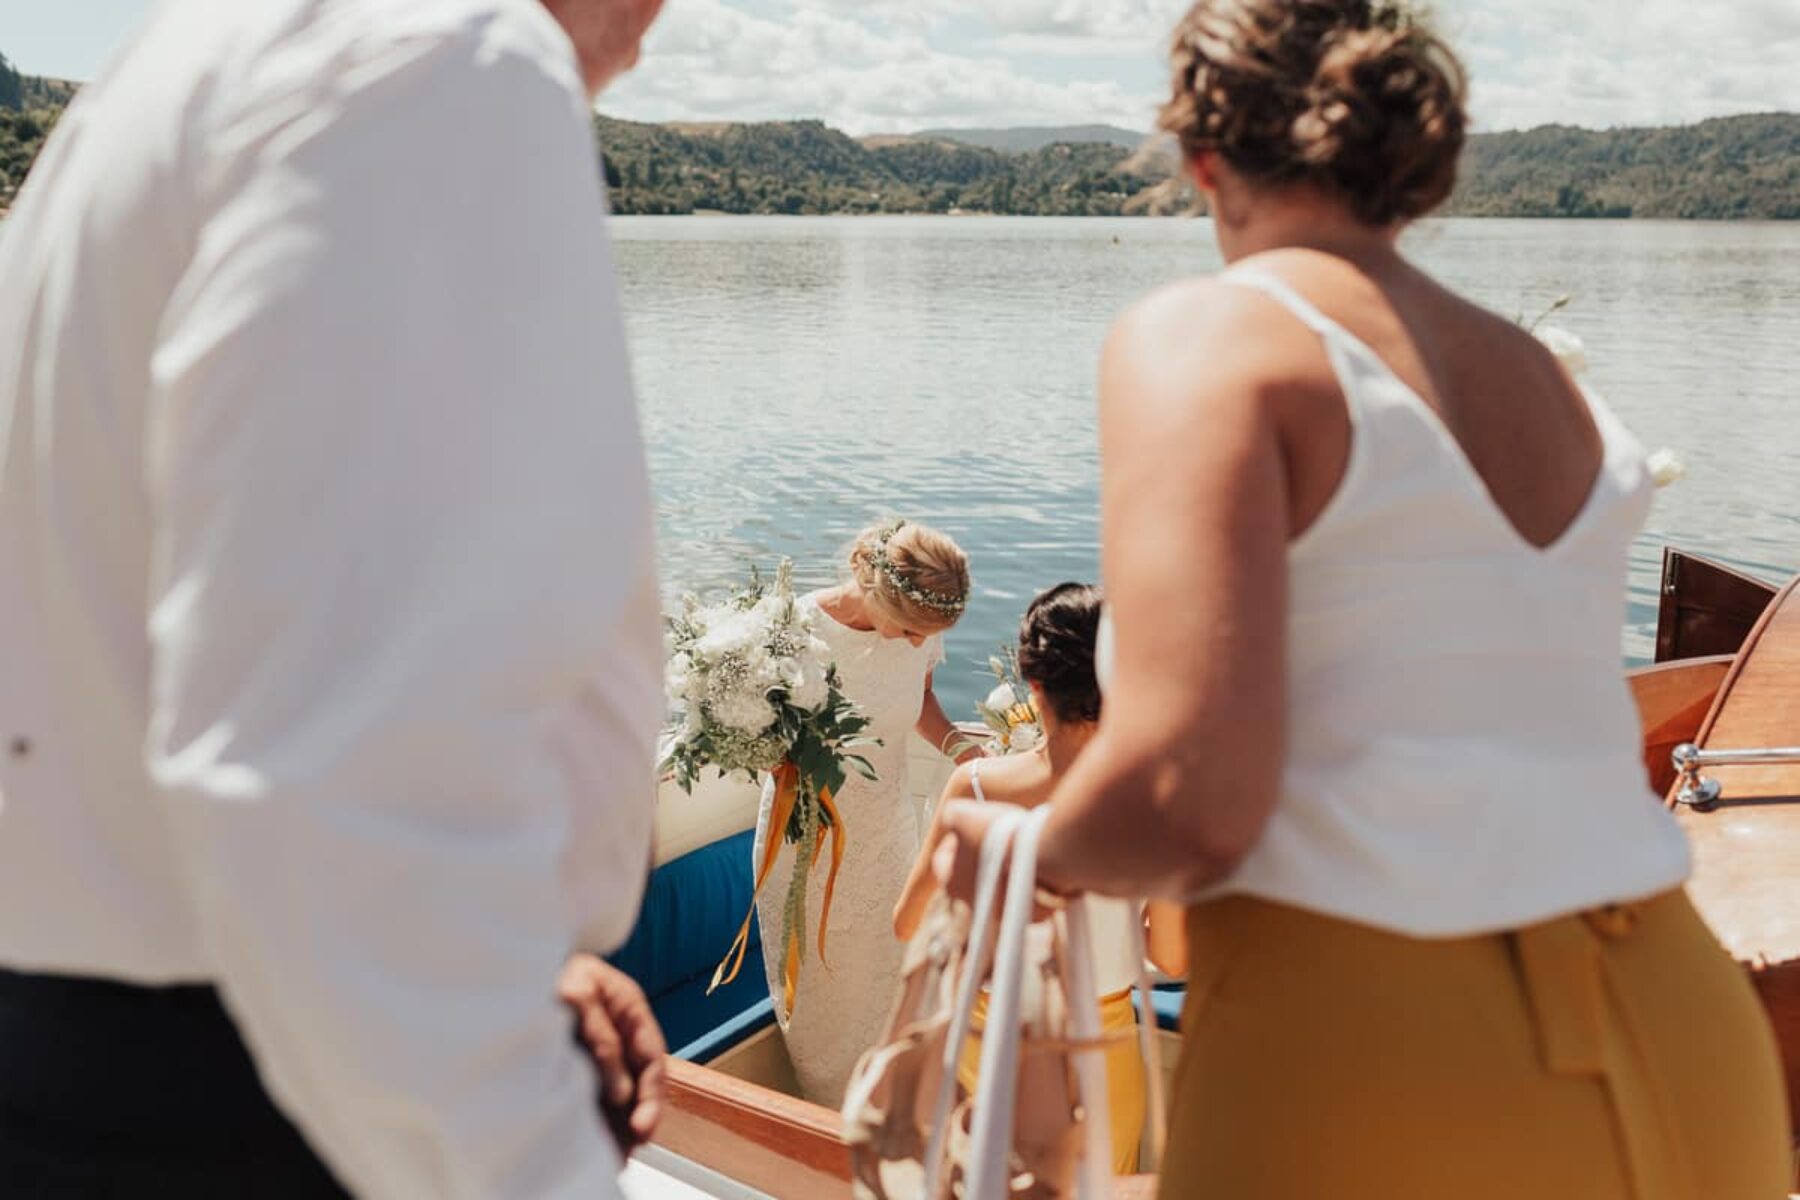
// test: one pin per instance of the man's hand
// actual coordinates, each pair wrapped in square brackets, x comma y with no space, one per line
[617,1027]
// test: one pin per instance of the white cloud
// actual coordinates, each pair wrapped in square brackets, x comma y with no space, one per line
[883,65]
[716,61]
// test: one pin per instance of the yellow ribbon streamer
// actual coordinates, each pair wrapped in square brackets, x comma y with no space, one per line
[787,794]
[787,791]
[838,837]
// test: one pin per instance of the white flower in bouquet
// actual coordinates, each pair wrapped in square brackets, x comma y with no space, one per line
[729,632]
[1666,467]
[1570,351]
[743,710]
[809,687]
[1009,711]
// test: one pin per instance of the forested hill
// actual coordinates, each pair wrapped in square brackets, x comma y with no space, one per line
[1731,168]
[808,167]
[29,106]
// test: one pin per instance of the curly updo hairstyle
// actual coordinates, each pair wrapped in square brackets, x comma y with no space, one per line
[1358,97]
[1056,650]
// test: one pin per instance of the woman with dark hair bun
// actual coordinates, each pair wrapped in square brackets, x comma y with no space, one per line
[1365,549]
[1056,658]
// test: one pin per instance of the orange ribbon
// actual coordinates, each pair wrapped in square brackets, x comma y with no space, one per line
[787,794]
[837,860]
[787,791]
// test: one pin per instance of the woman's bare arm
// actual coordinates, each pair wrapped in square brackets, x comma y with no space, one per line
[1165,925]
[937,728]
[1184,771]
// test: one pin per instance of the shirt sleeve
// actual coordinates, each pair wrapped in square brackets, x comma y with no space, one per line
[934,652]
[404,617]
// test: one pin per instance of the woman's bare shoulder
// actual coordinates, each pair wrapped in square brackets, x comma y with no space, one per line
[1014,778]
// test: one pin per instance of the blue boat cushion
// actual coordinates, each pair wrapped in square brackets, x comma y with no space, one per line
[692,909]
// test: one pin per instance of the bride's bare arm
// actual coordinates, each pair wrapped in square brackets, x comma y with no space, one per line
[937,728]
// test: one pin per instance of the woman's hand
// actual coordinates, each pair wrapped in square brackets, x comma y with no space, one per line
[963,825]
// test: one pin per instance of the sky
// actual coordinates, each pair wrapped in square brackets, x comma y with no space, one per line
[879,66]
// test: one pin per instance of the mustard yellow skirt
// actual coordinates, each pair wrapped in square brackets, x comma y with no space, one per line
[1125,1081]
[1613,1055]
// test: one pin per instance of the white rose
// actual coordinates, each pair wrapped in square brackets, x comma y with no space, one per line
[1002,698]
[1666,467]
[1568,349]
[1023,738]
[730,633]
[743,711]
[809,690]
[762,670]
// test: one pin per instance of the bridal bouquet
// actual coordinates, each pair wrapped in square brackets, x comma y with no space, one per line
[1665,465]
[755,693]
[1009,711]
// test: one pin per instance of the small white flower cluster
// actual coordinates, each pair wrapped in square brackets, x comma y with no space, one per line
[734,667]
[1665,465]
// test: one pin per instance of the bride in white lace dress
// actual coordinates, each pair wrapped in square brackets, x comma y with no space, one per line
[907,584]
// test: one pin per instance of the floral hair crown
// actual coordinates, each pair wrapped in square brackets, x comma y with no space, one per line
[943,602]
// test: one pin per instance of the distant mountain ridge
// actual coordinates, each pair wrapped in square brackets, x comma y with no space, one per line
[1728,168]
[1022,139]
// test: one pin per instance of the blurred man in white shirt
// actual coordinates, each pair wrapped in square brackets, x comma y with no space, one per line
[329,654]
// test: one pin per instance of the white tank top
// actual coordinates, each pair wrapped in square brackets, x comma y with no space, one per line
[1462,748]
[1116,967]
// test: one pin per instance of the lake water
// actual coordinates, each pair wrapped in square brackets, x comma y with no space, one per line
[801,376]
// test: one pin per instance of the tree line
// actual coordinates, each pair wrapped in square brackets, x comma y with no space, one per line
[1729,168]
[1724,169]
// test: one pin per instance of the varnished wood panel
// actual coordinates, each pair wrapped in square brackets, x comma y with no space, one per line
[1673,700]
[1706,607]
[1747,853]
[772,1142]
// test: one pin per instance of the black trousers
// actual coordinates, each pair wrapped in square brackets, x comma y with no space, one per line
[109,1090]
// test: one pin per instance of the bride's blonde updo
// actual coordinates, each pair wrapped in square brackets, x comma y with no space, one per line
[911,575]
[1358,97]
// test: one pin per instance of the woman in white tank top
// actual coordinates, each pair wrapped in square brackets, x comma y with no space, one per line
[1365,550]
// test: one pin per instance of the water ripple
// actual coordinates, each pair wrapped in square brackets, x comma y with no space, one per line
[801,376]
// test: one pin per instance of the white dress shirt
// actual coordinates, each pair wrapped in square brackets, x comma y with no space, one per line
[329,658]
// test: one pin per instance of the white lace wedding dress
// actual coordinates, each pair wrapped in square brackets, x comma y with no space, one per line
[840,1007]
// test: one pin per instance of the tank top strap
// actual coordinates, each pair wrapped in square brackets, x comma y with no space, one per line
[1284,294]
[975,779]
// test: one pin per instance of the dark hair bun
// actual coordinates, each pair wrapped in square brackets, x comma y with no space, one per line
[1359,97]
[1056,650]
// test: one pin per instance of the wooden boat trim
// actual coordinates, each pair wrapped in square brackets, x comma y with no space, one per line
[771,1142]
[758,1137]
[1739,662]
[1705,607]
[1673,698]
